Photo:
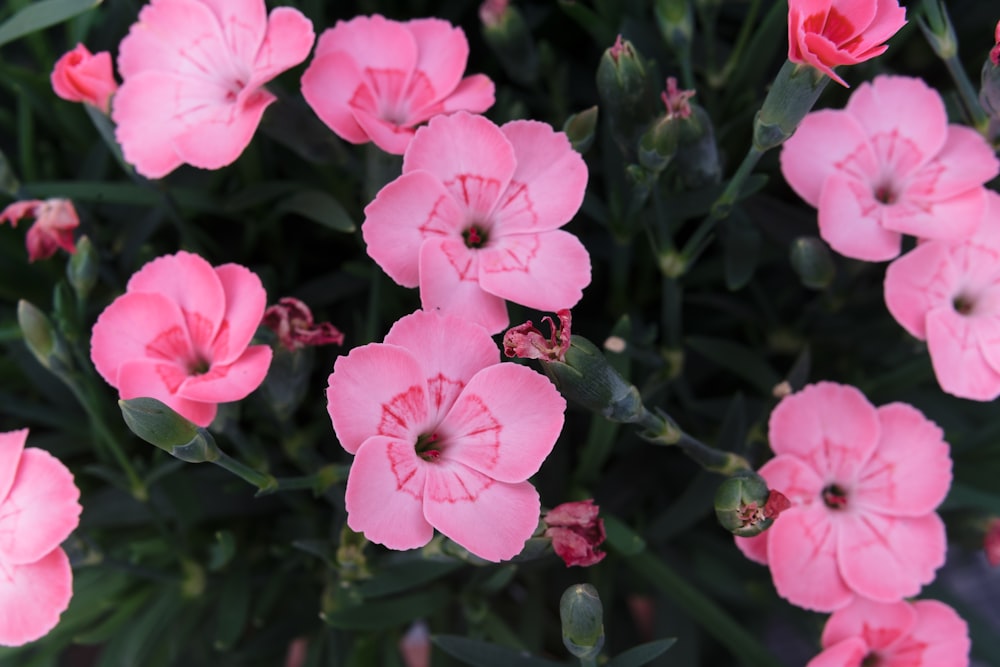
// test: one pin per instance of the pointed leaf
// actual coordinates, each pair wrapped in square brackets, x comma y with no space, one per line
[39,15]
[637,656]
[319,207]
[478,653]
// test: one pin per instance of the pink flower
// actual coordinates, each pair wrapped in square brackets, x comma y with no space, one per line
[292,321]
[995,51]
[948,293]
[925,633]
[991,542]
[474,219]
[55,220]
[180,334]
[576,531]
[443,435]
[525,341]
[80,76]
[889,164]
[373,79]
[38,510]
[828,33]
[193,72]
[863,483]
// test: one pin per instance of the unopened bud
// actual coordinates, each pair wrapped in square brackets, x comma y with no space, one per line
[811,259]
[626,94]
[586,377]
[989,91]
[582,621]
[676,23]
[157,424]
[41,338]
[81,271]
[580,128]
[745,506]
[937,28]
[991,542]
[658,145]
[792,95]
[508,36]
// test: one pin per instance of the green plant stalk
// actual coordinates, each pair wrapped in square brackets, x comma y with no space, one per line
[267,483]
[720,78]
[662,430]
[970,99]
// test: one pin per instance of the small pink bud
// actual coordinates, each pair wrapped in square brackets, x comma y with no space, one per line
[991,542]
[619,48]
[82,76]
[415,646]
[527,342]
[676,100]
[292,321]
[776,504]
[576,531]
[491,12]
[995,51]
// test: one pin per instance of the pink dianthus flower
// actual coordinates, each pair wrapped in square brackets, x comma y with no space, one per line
[82,76]
[443,436]
[181,334]
[38,510]
[374,79]
[193,72]
[474,219]
[863,484]
[889,164]
[55,222]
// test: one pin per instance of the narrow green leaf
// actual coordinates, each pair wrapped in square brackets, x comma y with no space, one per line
[107,131]
[319,207]
[392,612]
[478,653]
[406,575]
[621,537]
[233,610]
[637,656]
[741,242]
[8,179]
[41,15]
[122,612]
[599,29]
[738,359]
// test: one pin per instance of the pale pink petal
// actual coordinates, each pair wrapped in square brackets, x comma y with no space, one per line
[377,390]
[850,220]
[448,281]
[80,76]
[33,596]
[920,280]
[442,52]
[986,326]
[19,210]
[832,427]
[288,41]
[328,85]
[847,653]
[887,558]
[965,161]
[793,478]
[491,519]
[469,155]
[411,208]
[11,447]
[545,271]
[918,114]
[148,378]
[373,41]
[548,184]
[242,23]
[825,142]
[224,383]
[910,472]
[387,135]
[489,430]
[221,132]
[245,303]
[475,94]
[953,219]
[385,491]
[958,362]
[877,624]
[943,634]
[754,548]
[141,115]
[802,553]
[40,511]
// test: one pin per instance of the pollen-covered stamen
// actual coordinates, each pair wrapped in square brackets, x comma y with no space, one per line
[835,497]
[474,236]
[428,447]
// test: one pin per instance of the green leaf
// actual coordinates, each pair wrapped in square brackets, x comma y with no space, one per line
[478,653]
[106,129]
[233,610]
[8,179]
[738,359]
[393,612]
[319,207]
[624,540]
[741,242]
[406,575]
[637,656]
[599,29]
[39,15]
[123,612]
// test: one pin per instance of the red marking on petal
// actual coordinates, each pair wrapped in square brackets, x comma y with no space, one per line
[478,193]
[441,388]
[475,426]
[517,254]
[839,29]
[517,207]
[171,345]
[172,376]
[403,463]
[454,487]
[436,223]
[401,412]
[386,98]
[462,260]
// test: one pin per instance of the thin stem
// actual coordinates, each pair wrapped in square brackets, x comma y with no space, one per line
[970,99]
[718,79]
[662,430]
[264,482]
[267,483]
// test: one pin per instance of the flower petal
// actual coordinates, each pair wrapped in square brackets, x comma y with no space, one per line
[958,361]
[877,624]
[850,220]
[918,113]
[490,430]
[545,271]
[922,279]
[33,596]
[329,84]
[224,383]
[150,378]
[377,389]
[442,53]
[953,219]
[288,41]
[387,135]
[475,94]
[448,281]
[942,633]
[373,41]
[964,162]
[825,142]
[221,132]
[141,116]
[793,478]
[384,496]
[491,519]
[245,303]
[41,509]
[11,448]
[889,18]
[754,548]
[847,653]
[241,23]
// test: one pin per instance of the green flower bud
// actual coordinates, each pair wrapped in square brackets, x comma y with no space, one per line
[698,155]
[582,621]
[157,424]
[659,144]
[81,271]
[508,36]
[745,506]
[937,28]
[580,128]
[586,377]
[626,94]
[676,23]
[811,259]
[989,91]
[792,95]
[42,339]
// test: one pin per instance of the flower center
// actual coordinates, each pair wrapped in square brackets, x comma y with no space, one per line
[198,367]
[885,195]
[962,304]
[871,660]
[835,497]
[475,236]
[428,447]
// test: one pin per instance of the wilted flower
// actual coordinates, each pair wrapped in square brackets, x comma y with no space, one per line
[82,76]
[292,321]
[576,531]
[746,507]
[525,341]
[991,542]
[55,220]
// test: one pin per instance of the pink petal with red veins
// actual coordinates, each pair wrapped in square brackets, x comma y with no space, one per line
[887,558]
[547,187]
[489,430]
[140,326]
[920,280]
[918,112]
[146,378]
[40,511]
[373,41]
[242,23]
[824,55]
[964,162]
[545,271]
[850,220]
[793,478]
[223,383]
[943,634]
[245,303]
[847,653]
[329,84]
[848,19]
[217,134]
[754,548]
[11,448]
[469,155]
[910,472]
[958,361]
[33,596]
[802,553]
[889,18]
[954,219]
[442,52]
[475,93]
[450,350]
[832,427]
[385,491]
[288,41]
[877,624]
[825,142]
[388,135]
[377,390]
[181,36]
[491,519]
[449,281]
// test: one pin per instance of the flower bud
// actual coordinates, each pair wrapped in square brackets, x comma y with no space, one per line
[989,91]
[626,94]
[508,36]
[157,424]
[586,377]
[811,259]
[792,95]
[580,128]
[658,145]
[744,505]
[937,28]
[576,531]
[582,621]
[676,23]
[81,271]
[991,542]
[41,338]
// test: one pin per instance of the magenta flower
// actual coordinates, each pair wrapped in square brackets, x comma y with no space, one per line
[886,165]
[38,510]
[991,542]
[55,221]
[193,72]
[373,79]
[82,76]
[443,435]
[948,293]
[925,633]
[180,334]
[864,483]
[828,33]
[576,532]
[474,219]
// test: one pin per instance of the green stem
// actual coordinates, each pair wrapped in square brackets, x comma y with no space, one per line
[970,99]
[267,483]
[662,430]
[719,79]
